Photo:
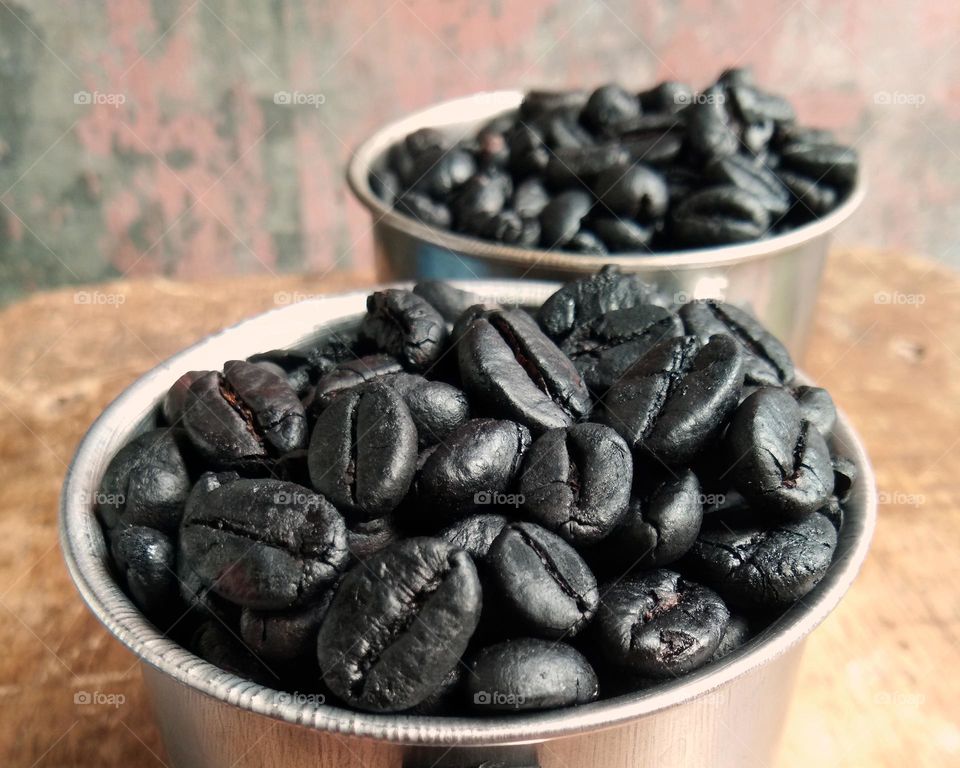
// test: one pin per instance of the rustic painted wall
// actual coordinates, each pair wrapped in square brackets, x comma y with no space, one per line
[143,137]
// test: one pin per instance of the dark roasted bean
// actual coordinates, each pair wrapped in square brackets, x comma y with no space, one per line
[576,481]
[676,398]
[530,198]
[756,566]
[220,646]
[439,172]
[608,107]
[780,461]
[405,326]
[817,407]
[831,163]
[668,96]
[622,236]
[425,210]
[398,624]
[349,374]
[175,401]
[536,103]
[720,215]
[528,153]
[753,177]
[606,347]
[510,366]
[449,301]
[146,559]
[262,543]
[246,414]
[542,580]
[811,197]
[736,634]
[528,674]
[475,533]
[587,242]
[709,129]
[296,367]
[365,539]
[660,625]
[659,526]
[844,476]
[635,192]
[437,408]
[472,466]
[560,219]
[480,199]
[755,105]
[285,635]
[577,166]
[146,483]
[363,452]
[765,360]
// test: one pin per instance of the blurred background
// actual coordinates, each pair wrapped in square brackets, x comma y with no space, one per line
[195,138]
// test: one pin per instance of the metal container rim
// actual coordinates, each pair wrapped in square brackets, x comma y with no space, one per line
[83,548]
[466,111]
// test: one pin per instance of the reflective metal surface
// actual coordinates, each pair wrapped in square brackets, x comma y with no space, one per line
[778,277]
[726,715]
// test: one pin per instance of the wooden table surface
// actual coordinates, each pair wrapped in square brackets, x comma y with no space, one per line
[879,681]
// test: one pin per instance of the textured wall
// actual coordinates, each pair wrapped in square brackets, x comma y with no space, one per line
[182,163]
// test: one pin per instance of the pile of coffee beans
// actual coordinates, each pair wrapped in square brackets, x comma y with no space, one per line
[461,506]
[613,171]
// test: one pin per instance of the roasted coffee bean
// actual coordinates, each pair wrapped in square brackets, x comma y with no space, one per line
[530,198]
[480,199]
[562,131]
[425,140]
[449,301]
[755,105]
[844,476]
[831,163]
[817,407]
[621,236]
[676,398]
[439,172]
[542,580]
[660,625]
[264,544]
[424,209]
[475,533]
[576,481]
[606,347]
[780,461]
[349,374]
[583,300]
[446,698]
[530,674]
[175,401]
[560,219]
[285,635]
[833,511]
[146,560]
[507,227]
[245,415]
[492,149]
[581,165]
[405,326]
[634,192]
[587,242]
[709,128]
[720,215]
[736,634]
[528,152]
[146,483]
[511,367]
[756,566]
[753,177]
[659,526]
[539,102]
[766,361]
[398,624]
[220,646]
[668,96]
[437,408]
[658,148]
[363,452]
[812,199]
[608,107]
[472,466]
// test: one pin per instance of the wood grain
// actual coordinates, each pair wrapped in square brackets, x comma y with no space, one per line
[878,682]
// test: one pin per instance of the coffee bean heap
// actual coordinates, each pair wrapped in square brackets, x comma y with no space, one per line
[466,507]
[612,171]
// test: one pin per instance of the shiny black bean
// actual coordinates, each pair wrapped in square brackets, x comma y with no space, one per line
[528,152]
[146,483]
[366,538]
[620,235]
[677,397]
[766,361]
[709,128]
[812,198]
[560,219]
[669,96]
[755,105]
[542,580]
[530,198]
[481,198]
[540,102]
[605,348]
[398,624]
[472,466]
[634,192]
[781,463]
[660,625]
[833,164]
[424,209]
[512,368]
[175,401]
[296,367]
[817,407]
[660,525]
[737,633]
[759,567]
[363,451]
[576,481]
[437,408]
[404,325]
[263,544]
[439,172]
[449,301]
[753,177]
[719,215]
[146,560]
[350,373]
[475,533]
[530,674]
[608,107]
[576,166]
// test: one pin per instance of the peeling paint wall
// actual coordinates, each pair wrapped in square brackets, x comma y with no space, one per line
[142,137]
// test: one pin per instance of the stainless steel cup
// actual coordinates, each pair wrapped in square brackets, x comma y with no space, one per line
[778,278]
[727,715]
